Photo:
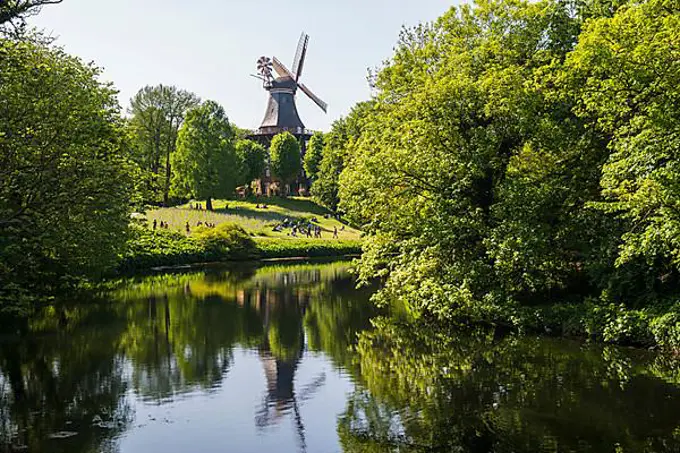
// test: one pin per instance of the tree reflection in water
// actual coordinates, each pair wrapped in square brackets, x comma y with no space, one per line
[83,368]
[430,390]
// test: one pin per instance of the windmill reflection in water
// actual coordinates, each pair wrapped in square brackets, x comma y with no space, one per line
[280,352]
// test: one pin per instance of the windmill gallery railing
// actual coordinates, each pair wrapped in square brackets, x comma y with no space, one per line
[297,131]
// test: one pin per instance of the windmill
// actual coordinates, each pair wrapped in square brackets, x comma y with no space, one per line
[281,114]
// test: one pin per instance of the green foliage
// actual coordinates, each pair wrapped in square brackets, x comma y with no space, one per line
[253,158]
[228,239]
[313,156]
[284,155]
[148,249]
[521,153]
[65,180]
[336,151]
[206,165]
[626,86]
[293,248]
[157,114]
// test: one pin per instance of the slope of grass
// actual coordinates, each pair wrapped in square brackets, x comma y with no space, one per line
[258,222]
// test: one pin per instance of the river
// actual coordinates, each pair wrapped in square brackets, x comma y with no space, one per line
[293,358]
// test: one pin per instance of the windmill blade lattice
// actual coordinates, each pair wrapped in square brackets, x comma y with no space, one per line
[300,54]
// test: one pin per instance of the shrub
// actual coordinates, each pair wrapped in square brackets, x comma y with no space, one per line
[226,239]
[288,248]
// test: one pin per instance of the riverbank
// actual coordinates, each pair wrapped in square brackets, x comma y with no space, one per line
[162,248]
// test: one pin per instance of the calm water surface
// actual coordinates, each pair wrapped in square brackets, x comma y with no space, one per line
[288,358]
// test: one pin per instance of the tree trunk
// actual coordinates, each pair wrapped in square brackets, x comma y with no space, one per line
[166,190]
[208,204]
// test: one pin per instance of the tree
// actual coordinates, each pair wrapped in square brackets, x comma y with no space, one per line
[13,14]
[471,173]
[284,155]
[313,156]
[65,180]
[158,112]
[336,152]
[626,87]
[205,164]
[253,158]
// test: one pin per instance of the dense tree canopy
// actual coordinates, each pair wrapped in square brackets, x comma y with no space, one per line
[205,164]
[157,114]
[65,182]
[285,159]
[337,150]
[512,148]
[253,158]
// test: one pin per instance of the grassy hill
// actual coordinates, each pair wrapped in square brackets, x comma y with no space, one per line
[259,222]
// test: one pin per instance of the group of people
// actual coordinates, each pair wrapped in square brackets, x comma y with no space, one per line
[163,225]
[303,228]
[261,206]
[197,206]
[198,224]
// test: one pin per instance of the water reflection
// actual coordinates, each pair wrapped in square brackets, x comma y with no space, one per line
[286,358]
[476,391]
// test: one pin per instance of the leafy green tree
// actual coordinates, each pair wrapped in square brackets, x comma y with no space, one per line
[337,150]
[206,164]
[313,156]
[65,181]
[285,160]
[157,114]
[626,87]
[471,174]
[253,158]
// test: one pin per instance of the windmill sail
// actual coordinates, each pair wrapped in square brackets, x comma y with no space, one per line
[300,54]
[281,69]
[313,97]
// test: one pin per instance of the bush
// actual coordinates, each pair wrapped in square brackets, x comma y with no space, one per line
[147,249]
[289,248]
[226,239]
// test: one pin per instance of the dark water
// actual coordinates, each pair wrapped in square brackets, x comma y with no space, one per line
[285,358]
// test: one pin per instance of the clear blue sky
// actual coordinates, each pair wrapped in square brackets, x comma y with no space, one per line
[210,46]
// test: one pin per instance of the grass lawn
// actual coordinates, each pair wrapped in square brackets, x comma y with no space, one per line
[257,221]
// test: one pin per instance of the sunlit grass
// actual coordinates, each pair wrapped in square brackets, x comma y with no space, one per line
[257,221]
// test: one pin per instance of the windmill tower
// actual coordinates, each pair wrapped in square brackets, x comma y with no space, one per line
[281,114]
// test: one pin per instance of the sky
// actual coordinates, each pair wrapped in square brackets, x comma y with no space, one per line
[210,47]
